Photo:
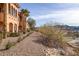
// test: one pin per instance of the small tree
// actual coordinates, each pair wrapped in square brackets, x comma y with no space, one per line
[31,23]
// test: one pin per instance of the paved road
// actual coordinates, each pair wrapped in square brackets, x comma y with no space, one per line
[28,47]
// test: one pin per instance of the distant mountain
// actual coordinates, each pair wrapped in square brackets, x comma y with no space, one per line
[67,27]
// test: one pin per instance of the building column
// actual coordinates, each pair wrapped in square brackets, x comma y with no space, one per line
[5,21]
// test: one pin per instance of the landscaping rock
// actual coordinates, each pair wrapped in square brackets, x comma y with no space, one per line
[52,52]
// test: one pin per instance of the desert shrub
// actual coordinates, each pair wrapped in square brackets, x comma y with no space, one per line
[28,30]
[8,45]
[76,34]
[19,39]
[1,36]
[24,32]
[55,36]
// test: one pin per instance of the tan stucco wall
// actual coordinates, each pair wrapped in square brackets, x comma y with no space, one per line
[12,19]
[27,25]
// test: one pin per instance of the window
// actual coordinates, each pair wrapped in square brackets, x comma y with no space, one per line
[0,9]
[15,27]
[12,11]
[9,8]
[10,27]
[15,13]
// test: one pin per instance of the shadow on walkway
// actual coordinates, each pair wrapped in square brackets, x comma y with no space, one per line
[44,41]
[41,40]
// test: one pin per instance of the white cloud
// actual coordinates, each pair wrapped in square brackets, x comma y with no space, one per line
[68,16]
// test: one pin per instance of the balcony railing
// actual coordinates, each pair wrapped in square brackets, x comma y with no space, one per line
[1,16]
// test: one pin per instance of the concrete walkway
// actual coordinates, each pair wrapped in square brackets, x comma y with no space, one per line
[27,47]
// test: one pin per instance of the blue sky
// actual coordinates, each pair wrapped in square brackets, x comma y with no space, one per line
[65,13]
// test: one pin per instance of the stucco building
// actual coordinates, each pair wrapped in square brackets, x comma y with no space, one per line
[9,16]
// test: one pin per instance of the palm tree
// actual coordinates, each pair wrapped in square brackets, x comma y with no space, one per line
[26,14]
[25,11]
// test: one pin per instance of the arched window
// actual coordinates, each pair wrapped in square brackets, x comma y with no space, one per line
[10,27]
[15,27]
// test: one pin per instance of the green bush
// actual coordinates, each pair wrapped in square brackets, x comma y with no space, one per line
[13,34]
[28,30]
[1,35]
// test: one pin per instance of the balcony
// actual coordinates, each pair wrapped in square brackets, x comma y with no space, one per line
[1,16]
